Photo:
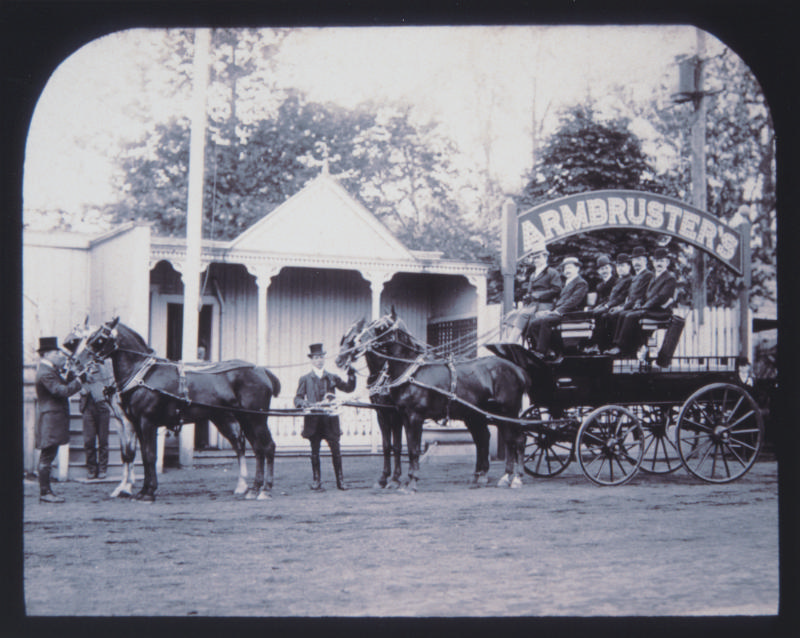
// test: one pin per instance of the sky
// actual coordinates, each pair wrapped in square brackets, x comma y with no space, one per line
[470,79]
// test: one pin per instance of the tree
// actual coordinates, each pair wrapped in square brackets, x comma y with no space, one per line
[585,154]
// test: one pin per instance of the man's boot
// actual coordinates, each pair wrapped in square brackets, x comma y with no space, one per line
[91,462]
[337,468]
[102,462]
[45,493]
[316,485]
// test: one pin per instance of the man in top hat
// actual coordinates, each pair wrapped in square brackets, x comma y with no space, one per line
[543,289]
[317,386]
[571,299]
[52,412]
[642,276]
[602,336]
[656,304]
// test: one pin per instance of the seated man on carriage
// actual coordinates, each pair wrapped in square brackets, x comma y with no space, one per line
[544,286]
[571,300]
[656,304]
[602,335]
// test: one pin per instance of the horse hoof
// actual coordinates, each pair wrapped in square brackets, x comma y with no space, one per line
[249,495]
[263,495]
[145,498]
[516,483]
[393,485]
[239,491]
[482,479]
[504,481]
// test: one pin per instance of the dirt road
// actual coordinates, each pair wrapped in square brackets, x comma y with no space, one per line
[664,545]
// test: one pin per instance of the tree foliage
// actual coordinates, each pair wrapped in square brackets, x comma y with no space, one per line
[587,153]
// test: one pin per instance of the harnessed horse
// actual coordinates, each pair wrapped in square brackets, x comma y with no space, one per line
[478,392]
[234,395]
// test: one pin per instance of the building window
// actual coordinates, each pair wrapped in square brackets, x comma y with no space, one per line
[457,337]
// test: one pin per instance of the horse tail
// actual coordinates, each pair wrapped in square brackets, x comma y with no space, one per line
[276,384]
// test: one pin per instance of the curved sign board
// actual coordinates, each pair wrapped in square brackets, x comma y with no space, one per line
[610,209]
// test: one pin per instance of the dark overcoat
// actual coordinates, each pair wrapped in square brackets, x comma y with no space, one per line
[638,289]
[660,291]
[619,292]
[313,389]
[604,289]
[52,406]
[543,288]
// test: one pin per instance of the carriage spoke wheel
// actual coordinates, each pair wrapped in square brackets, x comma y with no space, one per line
[720,433]
[661,454]
[548,449]
[610,445]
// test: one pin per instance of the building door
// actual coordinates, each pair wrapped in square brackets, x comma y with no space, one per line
[174,346]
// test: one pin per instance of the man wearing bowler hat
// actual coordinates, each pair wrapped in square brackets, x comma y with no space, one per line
[642,276]
[317,386]
[607,280]
[543,289]
[52,412]
[572,298]
[602,336]
[659,296]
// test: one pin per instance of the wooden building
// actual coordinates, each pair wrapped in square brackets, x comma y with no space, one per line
[302,274]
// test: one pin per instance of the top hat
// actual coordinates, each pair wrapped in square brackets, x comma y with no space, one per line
[571,260]
[639,251]
[47,344]
[603,260]
[623,258]
[315,349]
[660,253]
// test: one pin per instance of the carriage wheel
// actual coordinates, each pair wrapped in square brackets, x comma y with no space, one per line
[610,445]
[661,454]
[548,449]
[720,433]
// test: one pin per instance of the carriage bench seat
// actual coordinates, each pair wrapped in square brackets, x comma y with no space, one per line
[576,329]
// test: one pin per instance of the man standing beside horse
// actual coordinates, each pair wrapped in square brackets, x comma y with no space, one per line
[52,412]
[317,386]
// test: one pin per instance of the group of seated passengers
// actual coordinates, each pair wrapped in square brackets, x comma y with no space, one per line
[623,300]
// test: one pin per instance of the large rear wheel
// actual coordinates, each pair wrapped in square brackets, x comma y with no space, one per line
[720,432]
[610,445]
[548,448]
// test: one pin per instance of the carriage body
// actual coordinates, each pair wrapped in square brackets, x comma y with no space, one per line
[618,415]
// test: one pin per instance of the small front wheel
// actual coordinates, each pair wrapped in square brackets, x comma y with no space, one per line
[610,445]
[548,448]
[720,433]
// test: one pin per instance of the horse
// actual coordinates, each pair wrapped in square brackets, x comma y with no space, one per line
[390,419]
[234,395]
[478,392]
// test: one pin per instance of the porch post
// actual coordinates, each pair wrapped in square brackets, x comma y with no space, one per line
[376,279]
[479,282]
[263,281]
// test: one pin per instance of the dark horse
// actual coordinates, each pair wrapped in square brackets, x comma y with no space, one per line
[234,395]
[472,391]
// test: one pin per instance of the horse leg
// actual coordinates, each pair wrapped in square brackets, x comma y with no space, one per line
[413,438]
[397,451]
[230,428]
[480,436]
[514,443]
[264,450]
[386,441]
[147,431]
[127,451]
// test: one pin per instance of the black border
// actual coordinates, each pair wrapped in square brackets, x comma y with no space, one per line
[37,35]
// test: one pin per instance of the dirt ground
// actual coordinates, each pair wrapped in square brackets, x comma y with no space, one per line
[663,545]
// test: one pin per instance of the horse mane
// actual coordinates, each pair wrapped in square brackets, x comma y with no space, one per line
[132,334]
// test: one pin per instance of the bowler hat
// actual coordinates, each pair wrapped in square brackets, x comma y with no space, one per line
[315,349]
[639,251]
[660,253]
[571,260]
[603,260]
[47,344]
[623,258]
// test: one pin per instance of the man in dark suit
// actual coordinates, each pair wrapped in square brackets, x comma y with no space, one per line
[543,289]
[608,278]
[638,288]
[52,412]
[602,336]
[317,386]
[572,298]
[660,295]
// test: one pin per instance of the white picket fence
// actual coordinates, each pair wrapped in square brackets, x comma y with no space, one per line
[717,336]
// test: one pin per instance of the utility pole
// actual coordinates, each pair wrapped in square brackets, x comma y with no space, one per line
[699,171]
[194,223]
